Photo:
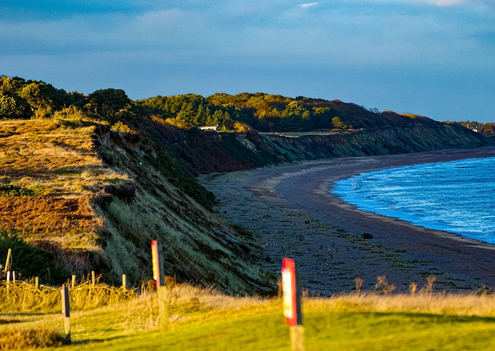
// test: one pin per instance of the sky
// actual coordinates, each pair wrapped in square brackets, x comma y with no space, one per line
[429,57]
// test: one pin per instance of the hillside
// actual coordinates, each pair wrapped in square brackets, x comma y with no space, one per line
[94,198]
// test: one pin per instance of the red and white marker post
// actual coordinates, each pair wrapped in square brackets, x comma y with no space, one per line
[159,277]
[291,286]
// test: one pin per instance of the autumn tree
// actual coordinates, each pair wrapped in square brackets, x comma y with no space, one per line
[337,123]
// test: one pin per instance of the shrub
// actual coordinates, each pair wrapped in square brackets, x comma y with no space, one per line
[16,191]
[20,339]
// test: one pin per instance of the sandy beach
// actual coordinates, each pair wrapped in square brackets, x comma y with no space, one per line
[292,214]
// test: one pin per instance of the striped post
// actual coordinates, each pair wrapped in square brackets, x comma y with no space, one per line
[291,283]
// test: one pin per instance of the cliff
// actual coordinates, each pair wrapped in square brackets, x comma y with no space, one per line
[226,152]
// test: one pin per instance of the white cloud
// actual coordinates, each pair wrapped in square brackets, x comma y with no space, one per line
[310,4]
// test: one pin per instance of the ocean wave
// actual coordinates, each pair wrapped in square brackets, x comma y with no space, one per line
[454,196]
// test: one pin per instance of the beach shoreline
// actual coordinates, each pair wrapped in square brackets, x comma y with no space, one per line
[402,252]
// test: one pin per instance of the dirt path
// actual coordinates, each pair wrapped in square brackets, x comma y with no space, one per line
[290,210]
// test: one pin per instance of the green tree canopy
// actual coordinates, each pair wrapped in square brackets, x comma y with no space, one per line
[40,98]
[14,107]
[107,102]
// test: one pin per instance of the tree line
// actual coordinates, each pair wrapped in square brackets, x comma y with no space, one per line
[486,129]
[20,98]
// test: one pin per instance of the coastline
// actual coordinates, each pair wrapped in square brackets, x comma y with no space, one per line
[326,240]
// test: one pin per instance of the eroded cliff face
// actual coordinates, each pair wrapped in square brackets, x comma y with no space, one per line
[226,152]
[163,202]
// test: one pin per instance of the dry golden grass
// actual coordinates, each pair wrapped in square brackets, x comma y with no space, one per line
[59,158]
[45,216]
[22,297]
[20,339]
[444,304]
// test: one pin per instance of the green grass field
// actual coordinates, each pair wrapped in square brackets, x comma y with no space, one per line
[205,320]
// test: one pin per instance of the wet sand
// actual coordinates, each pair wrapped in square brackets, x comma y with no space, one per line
[292,213]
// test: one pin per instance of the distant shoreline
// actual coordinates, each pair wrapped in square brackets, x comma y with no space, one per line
[467,223]
[459,263]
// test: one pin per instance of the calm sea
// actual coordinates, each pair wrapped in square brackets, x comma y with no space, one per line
[456,196]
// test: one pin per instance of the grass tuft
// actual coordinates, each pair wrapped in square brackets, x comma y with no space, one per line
[19,339]
[13,190]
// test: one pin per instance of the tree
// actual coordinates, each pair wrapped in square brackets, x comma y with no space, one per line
[11,85]
[337,123]
[107,102]
[13,107]
[40,98]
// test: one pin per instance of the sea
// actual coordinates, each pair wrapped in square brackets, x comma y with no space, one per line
[456,196]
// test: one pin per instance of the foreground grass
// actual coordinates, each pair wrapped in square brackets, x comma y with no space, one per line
[205,320]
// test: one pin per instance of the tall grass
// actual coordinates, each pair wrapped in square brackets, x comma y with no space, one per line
[20,339]
[439,303]
[23,297]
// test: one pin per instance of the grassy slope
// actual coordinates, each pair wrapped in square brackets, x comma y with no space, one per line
[103,195]
[218,322]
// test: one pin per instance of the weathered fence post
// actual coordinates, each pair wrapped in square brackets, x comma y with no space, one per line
[161,289]
[291,283]
[124,282]
[66,312]
[73,282]
[36,282]
[8,263]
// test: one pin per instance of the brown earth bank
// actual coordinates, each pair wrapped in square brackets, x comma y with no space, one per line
[293,215]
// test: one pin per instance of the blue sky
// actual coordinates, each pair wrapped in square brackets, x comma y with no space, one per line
[429,57]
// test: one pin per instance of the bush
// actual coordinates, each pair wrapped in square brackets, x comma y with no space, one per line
[20,339]
[16,191]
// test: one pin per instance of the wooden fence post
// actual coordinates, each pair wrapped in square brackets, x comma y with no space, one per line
[161,289]
[124,282]
[93,280]
[66,312]
[291,283]
[73,282]
[36,282]
[8,263]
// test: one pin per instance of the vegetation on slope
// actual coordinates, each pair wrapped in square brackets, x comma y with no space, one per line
[273,113]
